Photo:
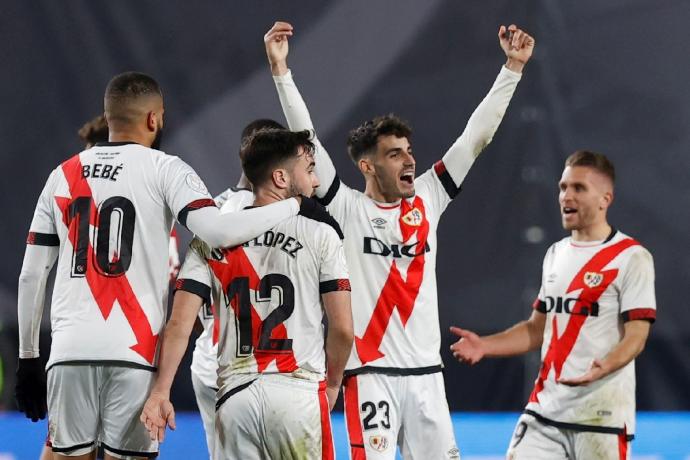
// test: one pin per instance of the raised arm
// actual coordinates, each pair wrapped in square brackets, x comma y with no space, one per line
[294,107]
[523,337]
[487,116]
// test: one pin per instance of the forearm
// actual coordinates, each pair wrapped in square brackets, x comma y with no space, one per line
[298,118]
[175,340]
[38,260]
[338,347]
[626,350]
[481,126]
[234,228]
[519,339]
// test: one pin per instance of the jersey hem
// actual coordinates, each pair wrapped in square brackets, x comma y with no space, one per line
[103,362]
[235,390]
[579,427]
[393,370]
[330,194]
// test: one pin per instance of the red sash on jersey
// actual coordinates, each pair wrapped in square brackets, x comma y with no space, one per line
[560,348]
[105,289]
[238,265]
[396,292]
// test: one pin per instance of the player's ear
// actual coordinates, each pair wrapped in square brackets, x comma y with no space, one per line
[606,200]
[280,178]
[366,166]
[152,121]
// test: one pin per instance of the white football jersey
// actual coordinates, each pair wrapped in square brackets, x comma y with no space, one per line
[110,210]
[204,357]
[394,297]
[268,293]
[588,291]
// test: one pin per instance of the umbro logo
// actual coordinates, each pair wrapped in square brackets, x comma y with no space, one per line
[378,222]
[551,278]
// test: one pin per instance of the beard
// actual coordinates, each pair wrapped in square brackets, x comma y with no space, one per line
[156,144]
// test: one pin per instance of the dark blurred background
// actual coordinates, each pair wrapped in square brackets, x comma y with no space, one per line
[608,76]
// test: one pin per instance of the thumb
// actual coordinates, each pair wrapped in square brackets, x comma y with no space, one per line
[171,419]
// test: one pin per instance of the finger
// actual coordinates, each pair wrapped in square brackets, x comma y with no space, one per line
[512,27]
[282,25]
[501,33]
[458,331]
[161,434]
[171,419]
[517,36]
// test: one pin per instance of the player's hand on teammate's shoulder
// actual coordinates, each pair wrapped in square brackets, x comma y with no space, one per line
[469,348]
[517,45]
[157,414]
[312,209]
[30,389]
[277,48]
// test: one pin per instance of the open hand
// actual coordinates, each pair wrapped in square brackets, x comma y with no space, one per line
[596,371]
[469,348]
[157,414]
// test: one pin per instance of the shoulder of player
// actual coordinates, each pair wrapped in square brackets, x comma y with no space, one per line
[317,227]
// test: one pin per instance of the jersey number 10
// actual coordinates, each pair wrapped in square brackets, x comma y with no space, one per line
[123,209]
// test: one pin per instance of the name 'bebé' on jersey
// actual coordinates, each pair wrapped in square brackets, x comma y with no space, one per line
[394,295]
[268,298]
[110,210]
[588,292]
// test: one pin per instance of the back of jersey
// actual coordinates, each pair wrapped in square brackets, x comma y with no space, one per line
[271,319]
[112,209]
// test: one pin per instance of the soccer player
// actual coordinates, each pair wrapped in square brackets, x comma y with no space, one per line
[204,358]
[276,384]
[591,319]
[394,389]
[105,214]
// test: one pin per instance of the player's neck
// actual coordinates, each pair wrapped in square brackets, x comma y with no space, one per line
[375,193]
[129,136]
[598,232]
[264,196]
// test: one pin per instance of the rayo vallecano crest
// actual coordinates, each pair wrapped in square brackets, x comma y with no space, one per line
[378,443]
[593,279]
[414,217]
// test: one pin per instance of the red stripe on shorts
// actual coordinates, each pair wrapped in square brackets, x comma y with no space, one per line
[353,423]
[326,432]
[623,444]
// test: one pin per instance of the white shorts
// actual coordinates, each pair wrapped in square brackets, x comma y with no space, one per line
[411,411]
[206,400]
[91,404]
[534,440]
[274,417]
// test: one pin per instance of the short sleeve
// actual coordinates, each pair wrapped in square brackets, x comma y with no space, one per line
[195,276]
[182,189]
[539,303]
[637,297]
[333,272]
[436,187]
[43,231]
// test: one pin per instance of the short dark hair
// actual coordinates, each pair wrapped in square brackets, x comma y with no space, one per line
[94,130]
[125,88]
[269,148]
[364,138]
[593,160]
[253,126]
